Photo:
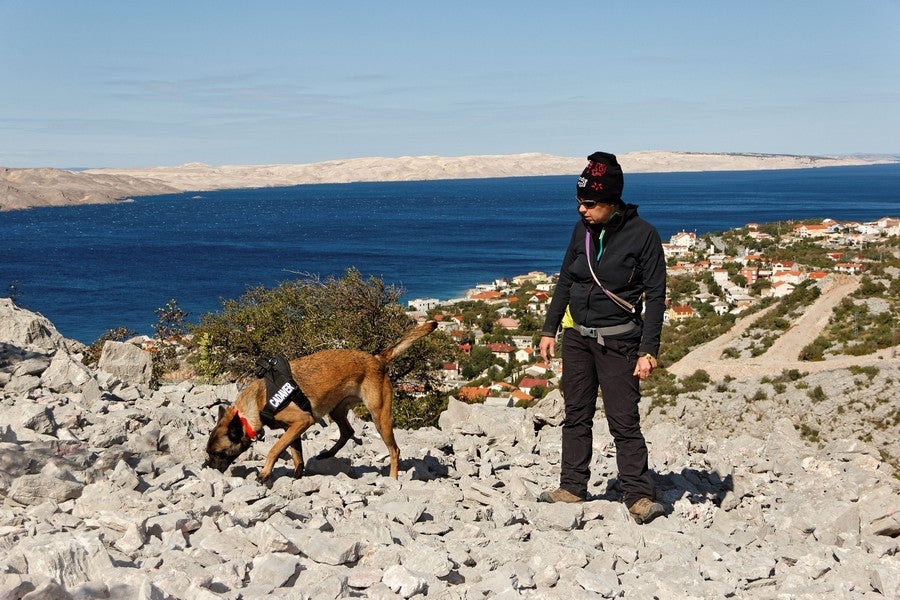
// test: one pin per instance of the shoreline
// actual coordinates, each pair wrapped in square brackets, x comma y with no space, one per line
[32,188]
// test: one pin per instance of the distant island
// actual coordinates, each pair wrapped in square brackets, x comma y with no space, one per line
[28,188]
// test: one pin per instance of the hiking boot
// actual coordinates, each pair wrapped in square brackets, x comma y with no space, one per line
[645,510]
[559,495]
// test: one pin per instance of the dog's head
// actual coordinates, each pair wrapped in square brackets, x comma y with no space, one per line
[227,441]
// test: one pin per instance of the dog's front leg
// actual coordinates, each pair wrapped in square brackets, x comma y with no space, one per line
[291,435]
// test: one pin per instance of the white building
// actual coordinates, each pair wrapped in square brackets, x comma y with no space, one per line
[423,304]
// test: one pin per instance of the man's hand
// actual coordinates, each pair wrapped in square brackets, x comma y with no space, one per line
[645,365]
[548,347]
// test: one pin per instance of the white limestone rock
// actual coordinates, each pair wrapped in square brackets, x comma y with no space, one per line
[26,330]
[37,488]
[65,374]
[127,362]
[274,569]
[404,582]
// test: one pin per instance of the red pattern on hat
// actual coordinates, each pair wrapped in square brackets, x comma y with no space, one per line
[597,169]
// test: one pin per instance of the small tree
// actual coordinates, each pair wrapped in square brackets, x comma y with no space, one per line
[170,327]
[171,321]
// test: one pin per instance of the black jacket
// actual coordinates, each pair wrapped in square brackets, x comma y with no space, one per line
[631,266]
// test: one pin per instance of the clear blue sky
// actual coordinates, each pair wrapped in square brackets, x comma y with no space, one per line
[91,83]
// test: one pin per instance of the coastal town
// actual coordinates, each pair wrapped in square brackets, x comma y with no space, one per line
[497,325]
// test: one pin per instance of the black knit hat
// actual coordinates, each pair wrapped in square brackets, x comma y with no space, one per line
[602,179]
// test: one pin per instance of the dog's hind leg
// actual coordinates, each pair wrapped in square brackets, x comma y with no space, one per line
[297,456]
[339,416]
[384,422]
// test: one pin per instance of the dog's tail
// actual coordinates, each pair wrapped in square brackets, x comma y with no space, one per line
[408,340]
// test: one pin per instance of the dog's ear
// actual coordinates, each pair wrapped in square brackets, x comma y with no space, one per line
[221,413]
[235,429]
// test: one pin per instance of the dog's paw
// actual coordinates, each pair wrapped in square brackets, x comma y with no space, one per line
[263,477]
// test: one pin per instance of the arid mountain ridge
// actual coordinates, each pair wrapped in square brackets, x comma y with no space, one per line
[28,188]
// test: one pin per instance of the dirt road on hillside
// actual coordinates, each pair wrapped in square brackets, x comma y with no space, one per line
[783,353]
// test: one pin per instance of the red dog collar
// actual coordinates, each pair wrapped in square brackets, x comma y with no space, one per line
[248,428]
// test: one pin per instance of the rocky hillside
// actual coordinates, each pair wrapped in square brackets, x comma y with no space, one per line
[853,397]
[26,188]
[104,495]
[23,188]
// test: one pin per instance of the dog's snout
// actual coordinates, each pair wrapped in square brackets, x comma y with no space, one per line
[219,463]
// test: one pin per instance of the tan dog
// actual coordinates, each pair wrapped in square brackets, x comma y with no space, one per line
[334,381]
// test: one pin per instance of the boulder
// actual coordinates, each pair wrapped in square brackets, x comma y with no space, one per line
[26,330]
[65,374]
[127,362]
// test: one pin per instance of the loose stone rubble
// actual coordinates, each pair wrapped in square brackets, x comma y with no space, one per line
[104,495]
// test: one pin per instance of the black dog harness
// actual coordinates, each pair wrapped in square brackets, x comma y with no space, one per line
[281,388]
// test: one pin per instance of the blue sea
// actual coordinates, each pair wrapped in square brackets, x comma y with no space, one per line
[93,268]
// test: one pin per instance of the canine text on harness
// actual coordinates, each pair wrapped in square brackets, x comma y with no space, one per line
[332,382]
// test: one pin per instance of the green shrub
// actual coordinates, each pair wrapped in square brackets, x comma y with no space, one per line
[809,433]
[869,372]
[415,412]
[817,394]
[868,288]
[815,350]
[205,367]
[695,382]
[792,374]
[759,396]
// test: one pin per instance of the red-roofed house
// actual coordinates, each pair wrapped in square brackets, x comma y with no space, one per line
[794,277]
[520,396]
[503,386]
[679,313]
[473,394]
[684,239]
[782,265]
[487,296]
[506,323]
[524,355]
[538,369]
[501,350]
[529,383]
[808,231]
[450,371]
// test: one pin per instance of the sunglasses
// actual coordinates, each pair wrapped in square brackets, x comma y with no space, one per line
[587,203]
